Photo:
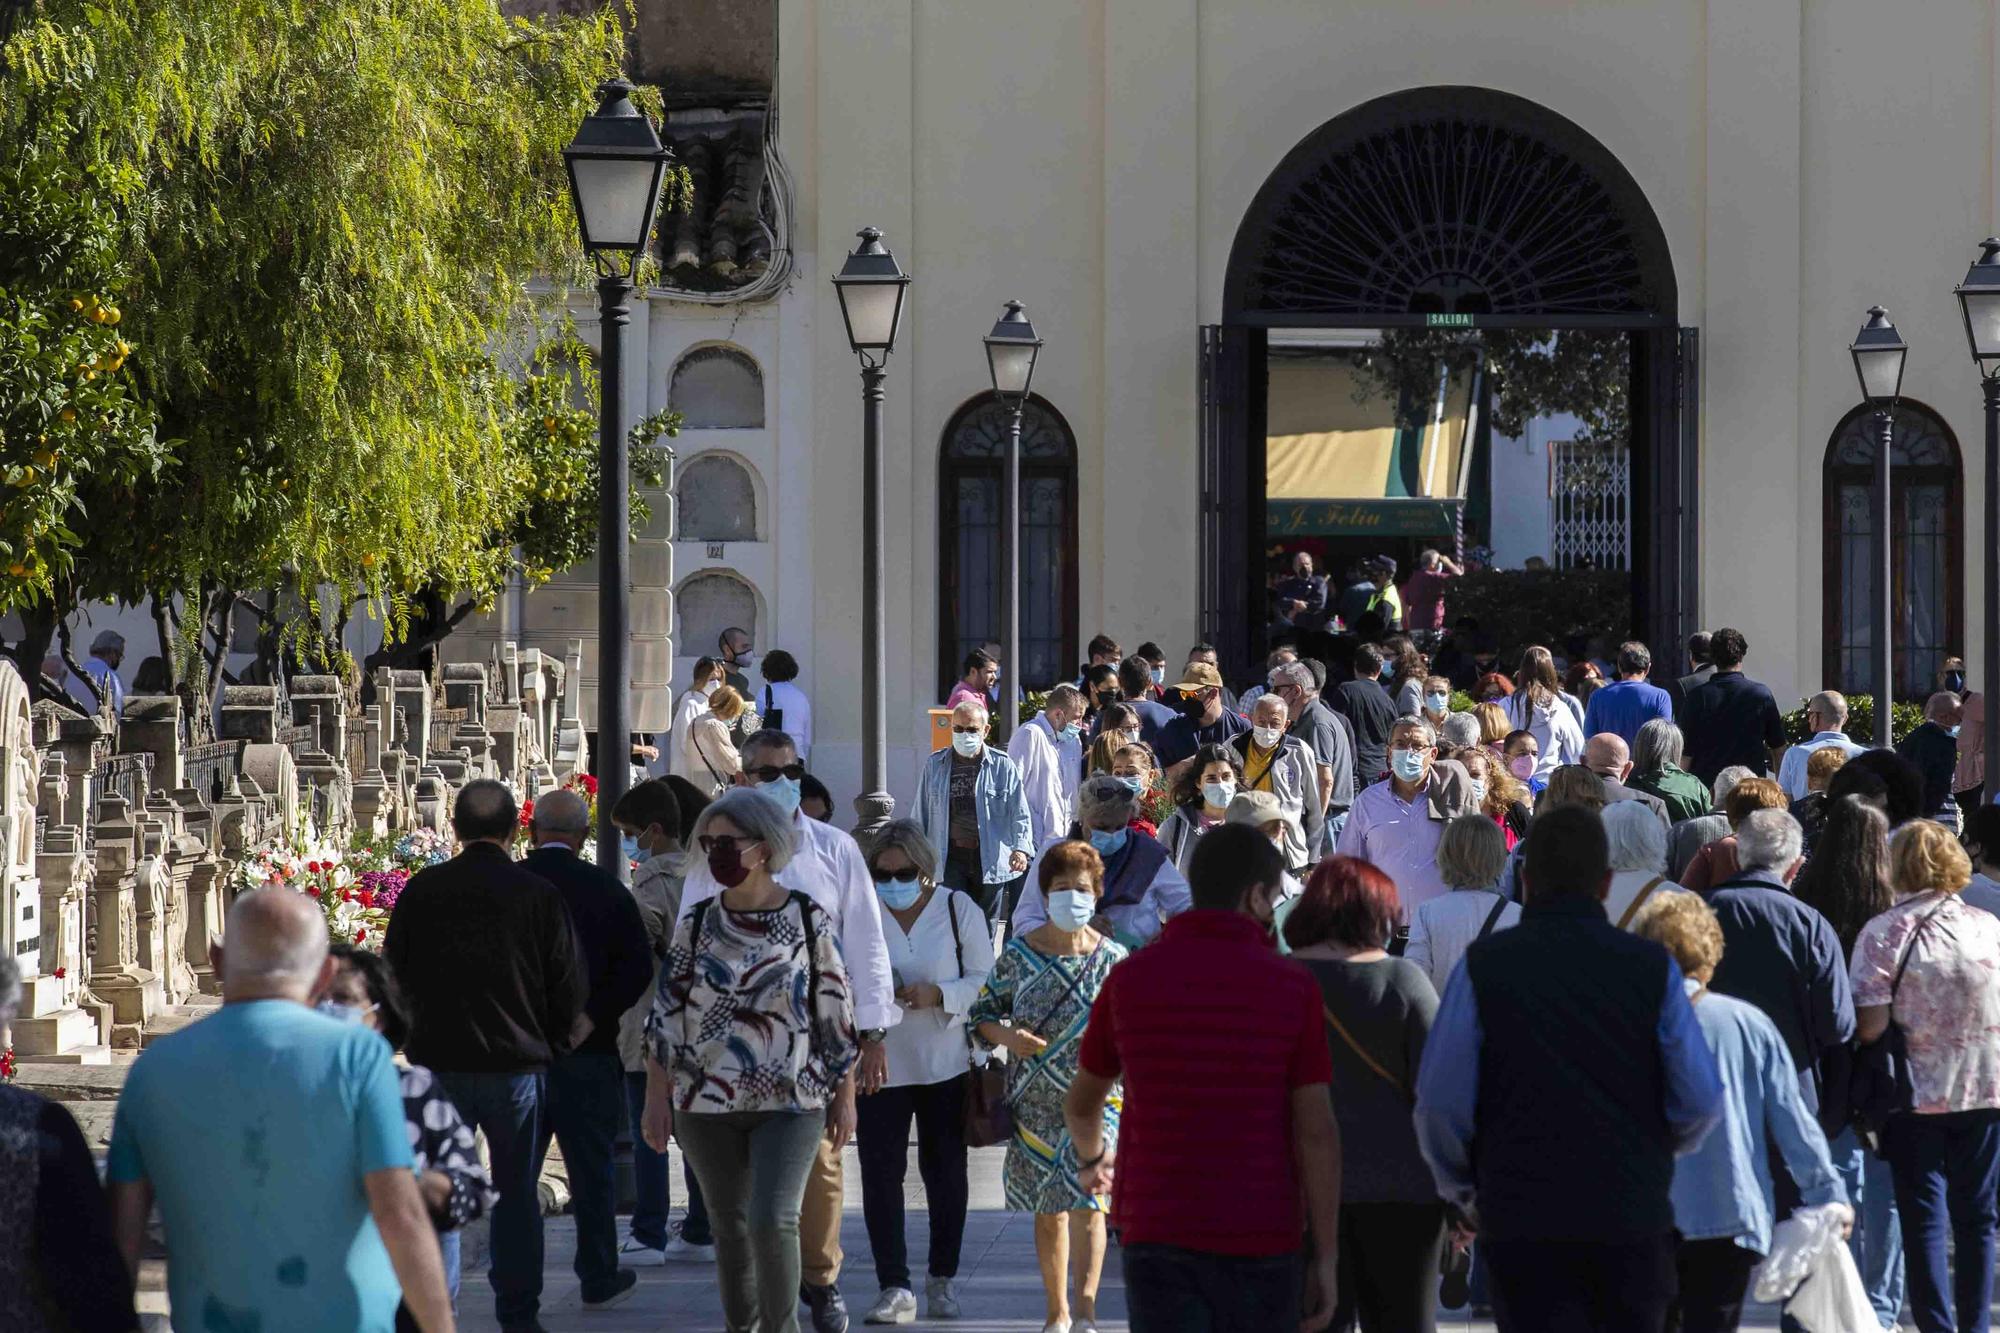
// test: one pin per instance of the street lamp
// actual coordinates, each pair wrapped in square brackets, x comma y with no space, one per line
[871,289]
[1979,302]
[1879,353]
[1011,350]
[615,164]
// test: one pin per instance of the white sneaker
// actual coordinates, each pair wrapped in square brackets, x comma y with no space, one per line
[636,1253]
[680,1250]
[1056,1326]
[896,1305]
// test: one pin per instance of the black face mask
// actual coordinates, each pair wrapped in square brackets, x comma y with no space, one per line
[1955,681]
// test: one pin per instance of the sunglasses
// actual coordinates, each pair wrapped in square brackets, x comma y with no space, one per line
[882,876]
[724,843]
[968,731]
[771,772]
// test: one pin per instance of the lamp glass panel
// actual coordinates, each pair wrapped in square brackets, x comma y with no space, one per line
[615,195]
[1982,317]
[1013,364]
[872,309]
[1881,373]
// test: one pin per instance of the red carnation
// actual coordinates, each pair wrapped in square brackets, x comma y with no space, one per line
[313,889]
[367,898]
[360,935]
[60,973]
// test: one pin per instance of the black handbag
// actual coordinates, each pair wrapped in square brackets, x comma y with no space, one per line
[1881,1085]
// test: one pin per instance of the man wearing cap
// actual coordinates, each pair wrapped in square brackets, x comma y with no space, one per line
[1202,721]
[107,652]
[1387,602]
[1397,823]
[1260,810]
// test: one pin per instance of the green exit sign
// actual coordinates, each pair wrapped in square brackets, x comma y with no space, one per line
[1447,321]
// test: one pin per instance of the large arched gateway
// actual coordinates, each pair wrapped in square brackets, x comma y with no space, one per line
[1445,208]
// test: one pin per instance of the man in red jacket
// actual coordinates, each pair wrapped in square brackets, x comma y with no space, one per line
[1241,1086]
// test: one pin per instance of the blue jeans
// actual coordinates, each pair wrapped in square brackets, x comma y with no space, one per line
[1172,1290]
[450,1245]
[651,1203]
[1877,1242]
[1947,1168]
[509,1110]
[586,1098]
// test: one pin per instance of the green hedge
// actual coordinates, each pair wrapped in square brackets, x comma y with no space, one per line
[1519,607]
[1903,719]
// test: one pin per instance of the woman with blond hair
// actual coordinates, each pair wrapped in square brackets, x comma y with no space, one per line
[712,754]
[1722,1190]
[1540,707]
[1927,966]
[1498,795]
[1716,863]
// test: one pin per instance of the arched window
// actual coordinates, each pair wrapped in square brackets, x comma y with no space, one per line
[717,388]
[969,539]
[718,501]
[1927,551]
[709,603]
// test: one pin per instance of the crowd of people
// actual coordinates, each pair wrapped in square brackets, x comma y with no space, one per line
[1554,1001]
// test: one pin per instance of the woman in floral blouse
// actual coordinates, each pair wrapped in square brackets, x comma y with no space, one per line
[750,1052]
[1947,1004]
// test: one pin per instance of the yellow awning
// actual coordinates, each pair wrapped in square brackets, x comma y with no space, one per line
[1323,444]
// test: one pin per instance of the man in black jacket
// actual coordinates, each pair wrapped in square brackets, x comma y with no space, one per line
[587,1086]
[489,963]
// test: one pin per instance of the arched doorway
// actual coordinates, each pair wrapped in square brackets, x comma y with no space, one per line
[1926,547]
[1446,208]
[969,482]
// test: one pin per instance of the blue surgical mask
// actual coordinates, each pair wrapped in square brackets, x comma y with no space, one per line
[1436,702]
[785,791]
[1134,783]
[1072,909]
[631,846]
[968,743]
[346,1013]
[1407,764]
[1218,794]
[1478,791]
[899,894]
[1107,844]
[1072,732]
[1159,675]
[1388,670]
[1952,731]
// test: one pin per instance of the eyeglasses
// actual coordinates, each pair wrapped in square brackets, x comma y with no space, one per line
[968,731]
[725,843]
[771,772]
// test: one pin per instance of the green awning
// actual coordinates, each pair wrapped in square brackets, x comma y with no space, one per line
[1385,517]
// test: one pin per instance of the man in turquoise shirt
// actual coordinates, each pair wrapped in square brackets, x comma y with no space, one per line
[273,1138]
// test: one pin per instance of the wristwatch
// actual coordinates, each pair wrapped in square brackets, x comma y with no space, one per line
[874,1034]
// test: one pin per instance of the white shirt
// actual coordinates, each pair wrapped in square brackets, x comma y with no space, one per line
[1049,767]
[1554,726]
[827,867]
[1792,768]
[1442,929]
[790,700]
[679,749]
[929,1045]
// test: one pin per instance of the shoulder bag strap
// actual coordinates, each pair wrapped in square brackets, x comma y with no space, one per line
[1366,1058]
[1910,947]
[1492,918]
[1067,991]
[957,944]
[695,736]
[807,908]
[1632,909]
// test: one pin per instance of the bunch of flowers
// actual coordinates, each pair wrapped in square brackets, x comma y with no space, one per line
[354,913]
[383,886]
[7,1065]
[422,848]
[583,784]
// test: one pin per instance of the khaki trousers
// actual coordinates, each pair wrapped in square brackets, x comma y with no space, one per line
[819,1219]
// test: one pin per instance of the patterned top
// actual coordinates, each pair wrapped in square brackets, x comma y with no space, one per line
[1949,1003]
[753,1011]
[440,1140]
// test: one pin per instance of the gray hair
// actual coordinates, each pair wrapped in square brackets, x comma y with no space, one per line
[273,935]
[1637,841]
[1768,840]
[1658,744]
[10,990]
[1294,672]
[971,706]
[1276,701]
[561,811]
[1472,852]
[1064,696]
[1105,797]
[907,836]
[1415,720]
[1830,705]
[108,641]
[760,818]
[1462,730]
[1726,781]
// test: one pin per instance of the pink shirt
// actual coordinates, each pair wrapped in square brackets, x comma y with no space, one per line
[1423,599]
[1949,1003]
[968,693]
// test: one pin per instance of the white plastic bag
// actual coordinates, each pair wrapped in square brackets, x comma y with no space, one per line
[1833,1299]
[1810,1270]
[1796,1243]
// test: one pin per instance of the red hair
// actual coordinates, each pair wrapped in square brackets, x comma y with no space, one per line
[1347,901]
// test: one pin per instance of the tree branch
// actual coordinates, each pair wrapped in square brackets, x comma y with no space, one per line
[76,669]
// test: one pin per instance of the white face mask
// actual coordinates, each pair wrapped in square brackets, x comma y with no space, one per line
[710,687]
[1266,737]
[1070,910]
[967,743]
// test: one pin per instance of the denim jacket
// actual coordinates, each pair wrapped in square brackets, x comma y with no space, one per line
[1001,804]
[1723,1188]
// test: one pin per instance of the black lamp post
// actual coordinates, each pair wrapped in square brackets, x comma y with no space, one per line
[871,288]
[615,165]
[1011,350]
[1979,301]
[1879,353]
